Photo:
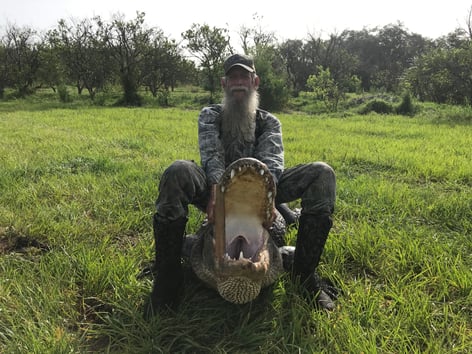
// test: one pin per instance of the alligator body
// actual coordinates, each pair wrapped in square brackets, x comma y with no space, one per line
[240,253]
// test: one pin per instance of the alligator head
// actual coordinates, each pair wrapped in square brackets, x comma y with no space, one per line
[236,254]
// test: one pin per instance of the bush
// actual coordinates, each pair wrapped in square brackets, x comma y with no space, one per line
[63,93]
[273,94]
[406,106]
[378,106]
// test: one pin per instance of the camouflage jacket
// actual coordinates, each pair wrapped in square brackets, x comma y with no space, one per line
[268,146]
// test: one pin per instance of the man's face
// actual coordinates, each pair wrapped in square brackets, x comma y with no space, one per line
[238,83]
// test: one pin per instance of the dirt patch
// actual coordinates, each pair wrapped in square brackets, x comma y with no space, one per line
[12,241]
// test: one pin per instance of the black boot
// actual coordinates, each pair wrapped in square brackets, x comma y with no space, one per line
[312,235]
[168,238]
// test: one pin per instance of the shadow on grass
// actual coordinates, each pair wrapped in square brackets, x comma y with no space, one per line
[203,322]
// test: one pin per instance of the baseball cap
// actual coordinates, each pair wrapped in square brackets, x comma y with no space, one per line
[241,60]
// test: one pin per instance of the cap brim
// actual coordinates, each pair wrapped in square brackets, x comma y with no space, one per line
[248,68]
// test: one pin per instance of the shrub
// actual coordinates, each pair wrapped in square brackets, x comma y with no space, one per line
[378,106]
[63,93]
[406,106]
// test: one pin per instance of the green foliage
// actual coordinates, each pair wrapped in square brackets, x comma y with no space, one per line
[325,88]
[273,89]
[443,75]
[377,106]
[20,59]
[406,107]
[210,46]
[91,53]
[63,94]
[75,232]
[127,40]
[130,96]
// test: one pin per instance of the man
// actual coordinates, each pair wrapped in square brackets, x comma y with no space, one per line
[234,129]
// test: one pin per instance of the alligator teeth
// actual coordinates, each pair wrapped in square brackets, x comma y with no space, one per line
[222,189]
[226,257]
[233,172]
[261,172]
[269,195]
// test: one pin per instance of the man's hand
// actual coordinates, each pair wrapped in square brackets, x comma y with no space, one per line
[210,210]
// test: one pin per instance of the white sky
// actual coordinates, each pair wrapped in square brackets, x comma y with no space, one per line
[289,19]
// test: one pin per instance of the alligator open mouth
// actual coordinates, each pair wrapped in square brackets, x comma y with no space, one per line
[244,206]
[236,255]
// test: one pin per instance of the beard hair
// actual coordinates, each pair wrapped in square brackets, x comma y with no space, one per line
[238,126]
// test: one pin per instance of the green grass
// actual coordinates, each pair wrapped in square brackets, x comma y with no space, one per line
[78,185]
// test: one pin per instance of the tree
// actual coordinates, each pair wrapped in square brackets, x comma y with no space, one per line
[128,42]
[50,72]
[4,72]
[295,61]
[210,46]
[21,57]
[325,88]
[161,65]
[398,49]
[255,38]
[443,76]
[262,46]
[273,90]
[364,45]
[468,23]
[83,54]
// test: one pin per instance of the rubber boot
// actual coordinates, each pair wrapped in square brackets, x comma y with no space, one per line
[312,235]
[168,238]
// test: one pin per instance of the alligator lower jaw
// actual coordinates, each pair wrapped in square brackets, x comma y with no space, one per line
[245,268]
[240,281]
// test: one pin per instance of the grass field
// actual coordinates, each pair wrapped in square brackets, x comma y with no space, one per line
[77,194]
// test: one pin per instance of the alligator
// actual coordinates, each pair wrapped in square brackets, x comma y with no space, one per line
[243,251]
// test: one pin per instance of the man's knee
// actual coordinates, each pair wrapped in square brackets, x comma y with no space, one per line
[321,195]
[180,167]
[321,170]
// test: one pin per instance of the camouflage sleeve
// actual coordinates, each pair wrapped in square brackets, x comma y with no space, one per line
[211,148]
[269,148]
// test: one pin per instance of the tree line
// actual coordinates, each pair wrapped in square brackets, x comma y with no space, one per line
[92,54]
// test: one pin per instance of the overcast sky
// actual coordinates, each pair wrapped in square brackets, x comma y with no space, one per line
[289,19]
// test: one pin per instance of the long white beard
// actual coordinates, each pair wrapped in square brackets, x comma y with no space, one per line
[238,125]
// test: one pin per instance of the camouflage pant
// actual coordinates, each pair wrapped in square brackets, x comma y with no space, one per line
[184,183]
